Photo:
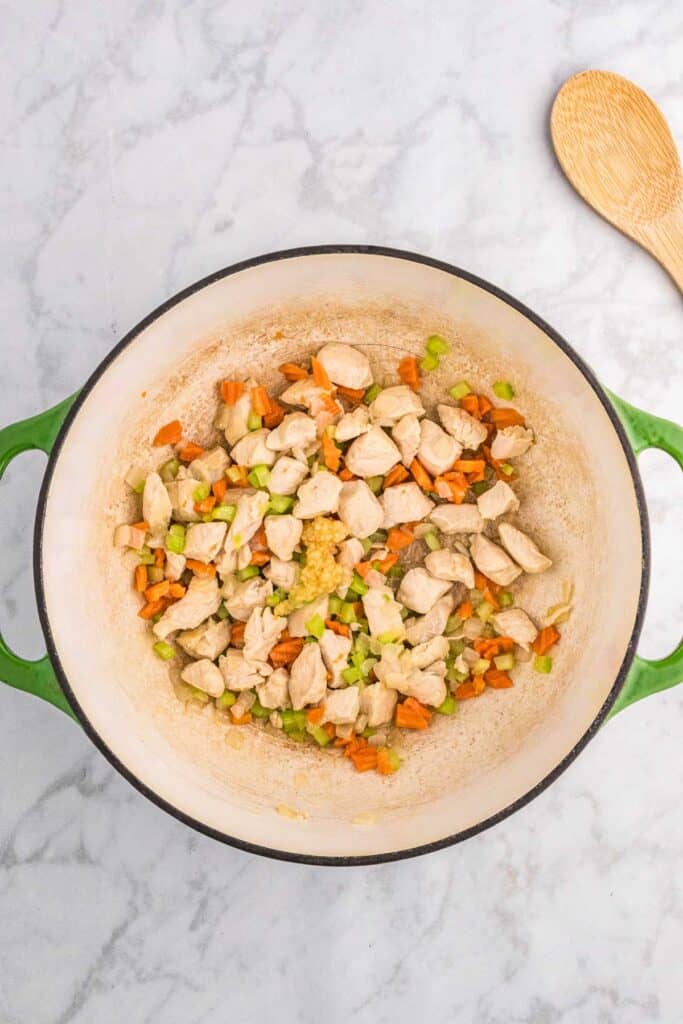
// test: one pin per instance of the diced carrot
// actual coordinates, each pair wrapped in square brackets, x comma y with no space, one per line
[465,610]
[259,557]
[260,402]
[159,557]
[151,609]
[478,476]
[293,372]
[231,390]
[140,578]
[469,465]
[411,714]
[388,562]
[244,719]
[470,403]
[331,454]
[497,680]
[320,374]
[328,404]
[190,451]
[409,372]
[259,538]
[218,488]
[205,505]
[484,405]
[482,582]
[315,715]
[340,628]
[331,729]
[479,684]
[491,646]
[421,476]
[396,476]
[489,596]
[206,569]
[546,639]
[156,590]
[506,418]
[170,433]
[365,760]
[472,688]
[237,634]
[457,486]
[363,568]
[241,480]
[496,465]
[286,651]
[276,415]
[346,474]
[385,766]
[142,525]
[353,395]
[398,538]
[176,591]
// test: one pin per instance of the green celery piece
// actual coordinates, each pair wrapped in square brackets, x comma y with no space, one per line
[222,612]
[254,421]
[351,674]
[378,537]
[258,711]
[247,573]
[480,486]
[318,733]
[394,759]
[507,468]
[223,513]
[484,611]
[366,544]
[169,470]
[448,707]
[293,720]
[139,488]
[163,650]
[226,699]
[334,605]
[459,390]
[505,599]
[543,663]
[274,599]
[315,626]
[503,389]
[155,574]
[358,585]
[375,483]
[432,541]
[199,695]
[347,614]
[368,731]
[504,662]
[145,555]
[280,503]
[371,394]
[201,492]
[259,476]
[429,362]
[437,346]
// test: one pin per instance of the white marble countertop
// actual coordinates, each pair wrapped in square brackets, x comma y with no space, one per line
[145,145]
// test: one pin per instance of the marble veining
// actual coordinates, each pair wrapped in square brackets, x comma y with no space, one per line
[145,145]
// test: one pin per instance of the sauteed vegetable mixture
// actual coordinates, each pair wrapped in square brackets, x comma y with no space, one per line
[343,565]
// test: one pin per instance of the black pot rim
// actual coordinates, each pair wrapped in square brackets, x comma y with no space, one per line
[284,855]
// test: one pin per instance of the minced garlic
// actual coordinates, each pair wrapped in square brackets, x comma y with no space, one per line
[321,574]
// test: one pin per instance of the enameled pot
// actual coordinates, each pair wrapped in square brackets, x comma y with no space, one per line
[581,497]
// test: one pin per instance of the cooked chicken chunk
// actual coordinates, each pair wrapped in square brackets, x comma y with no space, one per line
[296,621]
[318,496]
[156,509]
[203,540]
[252,450]
[206,641]
[493,561]
[303,392]
[393,404]
[296,430]
[181,495]
[308,677]
[210,466]
[342,706]
[345,365]
[238,673]
[359,509]
[467,431]
[335,650]
[283,533]
[377,701]
[383,612]
[464,518]
[420,590]
[523,549]
[261,633]
[406,435]
[428,652]
[510,442]
[274,693]
[419,630]
[248,517]
[427,687]
[350,552]
[281,574]
[438,450]
[404,503]
[232,419]
[226,563]
[497,501]
[248,595]
[372,454]
[450,565]
[200,601]
[129,537]
[515,623]
[174,566]
[286,475]
[353,424]
[204,676]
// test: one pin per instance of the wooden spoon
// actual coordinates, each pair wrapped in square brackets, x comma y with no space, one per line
[615,147]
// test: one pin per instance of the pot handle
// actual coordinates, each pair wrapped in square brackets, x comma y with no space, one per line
[646,431]
[37,677]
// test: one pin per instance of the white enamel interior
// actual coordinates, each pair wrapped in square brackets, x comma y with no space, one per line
[578,500]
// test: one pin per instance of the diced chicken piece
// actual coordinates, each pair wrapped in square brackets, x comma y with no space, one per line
[296,621]
[181,495]
[377,701]
[226,563]
[200,601]
[297,430]
[427,653]
[427,687]
[210,466]
[303,392]
[353,424]
[318,496]
[238,673]
[281,574]
[404,503]
[466,430]
[204,675]
[342,706]
[497,501]
[203,541]
[261,633]
[232,419]
[248,517]
[510,442]
[350,552]
[495,563]
[128,537]
[359,509]
[252,450]
[243,558]
[438,450]
[248,595]
[156,509]
[286,475]
[275,692]
[419,630]
[372,454]
[283,533]
[335,651]
[325,411]
[406,435]
[464,518]
[174,566]
[523,549]
[206,641]
[515,623]
[308,677]
[392,404]
[345,365]
[420,590]
[450,565]
[383,612]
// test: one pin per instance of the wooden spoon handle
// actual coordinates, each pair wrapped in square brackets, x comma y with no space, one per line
[664,239]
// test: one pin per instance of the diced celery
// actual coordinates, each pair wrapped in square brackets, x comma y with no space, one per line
[404,612]
[258,711]
[378,537]
[455,676]
[222,612]
[505,599]
[429,362]
[543,663]
[367,666]
[321,737]
[393,758]
[163,650]
[169,470]
[223,513]
[293,720]
[177,529]
[484,611]
[437,346]
[247,573]
[347,614]
[334,604]
[199,695]
[431,540]
[259,476]
[315,626]
[145,555]
[254,421]
[201,492]
[504,389]
[234,474]
[504,662]
[274,599]
[298,735]
[453,624]
[280,503]
[375,483]
[175,539]
[480,486]
[447,707]
[459,390]
[139,488]
[351,674]
[358,585]
[155,574]
[456,647]
[368,731]
[480,666]
[389,637]
[395,572]
[366,544]
[226,699]
[506,468]
[363,625]
[155,618]
[371,394]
